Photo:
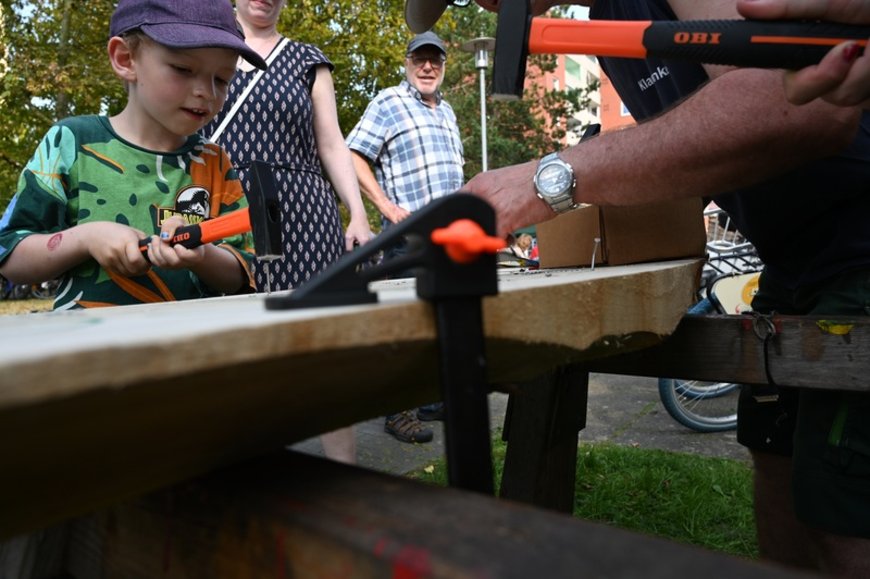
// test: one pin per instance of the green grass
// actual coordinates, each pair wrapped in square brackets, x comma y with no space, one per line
[687,498]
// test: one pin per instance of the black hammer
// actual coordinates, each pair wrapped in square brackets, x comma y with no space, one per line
[751,43]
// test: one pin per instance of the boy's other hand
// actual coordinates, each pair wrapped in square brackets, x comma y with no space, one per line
[167,256]
[116,247]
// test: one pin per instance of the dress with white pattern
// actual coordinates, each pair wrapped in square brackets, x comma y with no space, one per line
[275,125]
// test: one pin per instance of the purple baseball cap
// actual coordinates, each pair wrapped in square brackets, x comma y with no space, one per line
[185,24]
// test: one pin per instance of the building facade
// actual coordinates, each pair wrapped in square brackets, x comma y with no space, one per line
[605,107]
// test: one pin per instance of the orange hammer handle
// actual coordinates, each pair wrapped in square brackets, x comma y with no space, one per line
[754,43]
[208,231]
[599,37]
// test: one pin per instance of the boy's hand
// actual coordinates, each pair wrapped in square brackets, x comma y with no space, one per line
[168,256]
[116,247]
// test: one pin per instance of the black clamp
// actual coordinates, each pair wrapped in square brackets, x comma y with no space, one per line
[451,250]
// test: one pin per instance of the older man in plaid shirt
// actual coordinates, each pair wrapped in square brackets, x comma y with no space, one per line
[409,134]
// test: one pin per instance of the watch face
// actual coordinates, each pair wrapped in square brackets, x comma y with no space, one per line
[554,179]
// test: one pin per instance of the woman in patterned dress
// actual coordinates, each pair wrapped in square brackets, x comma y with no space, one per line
[289,119]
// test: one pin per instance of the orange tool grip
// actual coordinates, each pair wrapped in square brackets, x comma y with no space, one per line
[191,236]
[464,240]
[599,37]
[753,43]
[225,226]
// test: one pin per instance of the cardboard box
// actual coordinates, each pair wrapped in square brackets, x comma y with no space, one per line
[651,232]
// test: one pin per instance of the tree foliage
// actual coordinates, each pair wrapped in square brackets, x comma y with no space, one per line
[53,63]
[516,131]
[56,66]
[364,40]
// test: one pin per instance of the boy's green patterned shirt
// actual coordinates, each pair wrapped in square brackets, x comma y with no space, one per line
[84,172]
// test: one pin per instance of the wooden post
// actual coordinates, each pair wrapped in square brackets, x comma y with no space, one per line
[543,419]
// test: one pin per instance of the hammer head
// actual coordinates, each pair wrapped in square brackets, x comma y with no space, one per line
[511,49]
[265,212]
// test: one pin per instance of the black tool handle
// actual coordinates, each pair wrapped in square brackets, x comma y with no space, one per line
[188,236]
[752,43]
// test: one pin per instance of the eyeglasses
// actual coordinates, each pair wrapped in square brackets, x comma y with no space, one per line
[434,61]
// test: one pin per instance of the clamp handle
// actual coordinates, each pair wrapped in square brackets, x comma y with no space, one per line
[464,241]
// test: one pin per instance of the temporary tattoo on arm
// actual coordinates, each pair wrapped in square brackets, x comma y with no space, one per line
[54,241]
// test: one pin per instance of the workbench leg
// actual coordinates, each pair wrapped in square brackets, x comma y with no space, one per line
[467,436]
[543,420]
[36,555]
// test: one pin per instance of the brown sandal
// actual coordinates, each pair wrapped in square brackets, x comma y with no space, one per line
[406,428]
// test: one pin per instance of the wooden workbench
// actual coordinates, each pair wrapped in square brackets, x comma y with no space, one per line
[102,405]
[113,416]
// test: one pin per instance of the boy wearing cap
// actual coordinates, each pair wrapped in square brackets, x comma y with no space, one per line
[97,185]
[409,134]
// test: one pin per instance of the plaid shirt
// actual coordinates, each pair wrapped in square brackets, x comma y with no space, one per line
[416,150]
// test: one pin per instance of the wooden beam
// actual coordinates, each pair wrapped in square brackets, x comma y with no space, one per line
[292,515]
[815,352]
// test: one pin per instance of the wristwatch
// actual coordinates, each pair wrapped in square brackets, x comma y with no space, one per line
[554,182]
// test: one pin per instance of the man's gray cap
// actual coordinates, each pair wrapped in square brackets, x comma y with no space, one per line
[421,15]
[426,39]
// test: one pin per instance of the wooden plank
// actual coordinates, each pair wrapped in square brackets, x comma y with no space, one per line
[298,516]
[809,351]
[98,406]
[59,354]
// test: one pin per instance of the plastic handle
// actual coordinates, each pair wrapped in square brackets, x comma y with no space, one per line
[464,240]
[191,236]
[750,42]
[755,43]
[599,37]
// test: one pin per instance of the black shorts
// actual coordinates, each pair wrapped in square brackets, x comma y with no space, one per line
[826,432]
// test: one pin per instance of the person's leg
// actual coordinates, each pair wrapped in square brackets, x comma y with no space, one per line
[766,422]
[765,425]
[831,462]
[781,537]
[832,479]
[842,556]
[340,445]
[430,412]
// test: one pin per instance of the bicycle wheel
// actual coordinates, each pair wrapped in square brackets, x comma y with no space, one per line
[21,291]
[695,389]
[45,290]
[701,406]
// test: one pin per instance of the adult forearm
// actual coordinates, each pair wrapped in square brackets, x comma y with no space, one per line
[368,185]
[717,140]
[736,131]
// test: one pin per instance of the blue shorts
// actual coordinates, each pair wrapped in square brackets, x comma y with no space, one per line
[826,432]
